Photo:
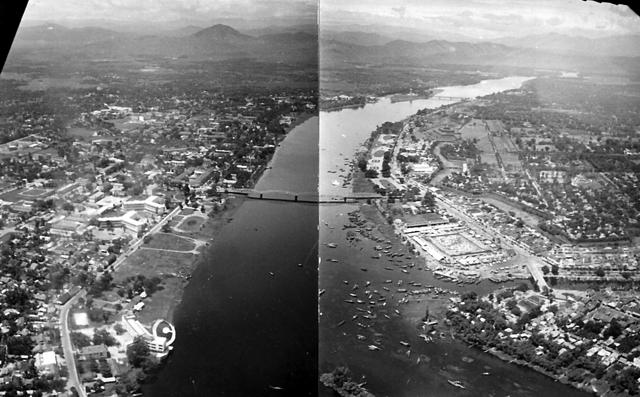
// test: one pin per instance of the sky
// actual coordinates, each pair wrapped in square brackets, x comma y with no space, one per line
[486,19]
[478,19]
[197,12]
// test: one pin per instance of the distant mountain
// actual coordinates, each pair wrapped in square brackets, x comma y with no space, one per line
[218,42]
[57,33]
[182,32]
[311,29]
[358,38]
[222,33]
[628,45]
[337,54]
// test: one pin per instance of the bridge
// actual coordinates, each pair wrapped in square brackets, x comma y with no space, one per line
[302,197]
[450,98]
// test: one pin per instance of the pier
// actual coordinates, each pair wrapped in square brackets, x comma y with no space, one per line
[302,197]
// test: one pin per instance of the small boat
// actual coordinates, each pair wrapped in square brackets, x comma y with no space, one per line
[272,274]
[275,387]
[368,283]
[333,260]
[397,311]
[361,337]
[373,347]
[364,269]
[322,291]
[341,323]
[403,343]
[486,373]
[345,281]
[299,264]
[332,245]
[456,383]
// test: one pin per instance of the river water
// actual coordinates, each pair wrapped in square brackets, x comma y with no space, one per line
[420,369]
[248,323]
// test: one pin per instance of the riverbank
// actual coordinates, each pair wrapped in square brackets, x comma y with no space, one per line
[163,303]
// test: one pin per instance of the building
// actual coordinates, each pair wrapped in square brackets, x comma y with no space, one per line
[67,227]
[131,221]
[94,352]
[156,343]
[46,362]
[152,205]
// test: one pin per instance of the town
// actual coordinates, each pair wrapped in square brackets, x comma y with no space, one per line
[104,208]
[510,187]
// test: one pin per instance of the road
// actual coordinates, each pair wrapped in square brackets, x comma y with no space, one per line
[65,335]
[140,241]
[67,347]
[519,248]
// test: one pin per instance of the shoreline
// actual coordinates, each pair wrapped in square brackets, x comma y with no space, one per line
[226,215]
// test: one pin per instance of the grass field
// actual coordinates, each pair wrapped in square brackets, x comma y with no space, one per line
[151,263]
[169,242]
[26,194]
[192,223]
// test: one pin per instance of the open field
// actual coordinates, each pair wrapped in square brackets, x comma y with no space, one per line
[455,244]
[192,223]
[169,242]
[504,144]
[473,129]
[26,194]
[152,263]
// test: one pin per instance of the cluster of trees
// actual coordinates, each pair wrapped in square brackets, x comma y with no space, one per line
[135,285]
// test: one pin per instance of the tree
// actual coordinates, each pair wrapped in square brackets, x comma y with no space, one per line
[80,340]
[545,269]
[600,272]
[429,200]
[370,173]
[137,352]
[103,337]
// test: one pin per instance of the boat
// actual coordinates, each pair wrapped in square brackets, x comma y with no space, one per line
[322,291]
[361,337]
[333,260]
[272,274]
[275,387]
[364,269]
[332,245]
[373,347]
[456,383]
[341,323]
[403,343]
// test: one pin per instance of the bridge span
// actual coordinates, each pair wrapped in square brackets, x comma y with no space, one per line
[303,197]
[450,98]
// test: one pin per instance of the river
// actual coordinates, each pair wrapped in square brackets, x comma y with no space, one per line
[420,369]
[248,322]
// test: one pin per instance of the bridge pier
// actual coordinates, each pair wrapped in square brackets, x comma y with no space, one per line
[295,198]
[260,196]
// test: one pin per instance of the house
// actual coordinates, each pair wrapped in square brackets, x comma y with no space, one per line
[93,352]
[46,362]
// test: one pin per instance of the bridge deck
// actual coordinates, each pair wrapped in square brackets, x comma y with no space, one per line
[302,197]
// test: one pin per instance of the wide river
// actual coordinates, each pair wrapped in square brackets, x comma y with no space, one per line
[248,323]
[420,369]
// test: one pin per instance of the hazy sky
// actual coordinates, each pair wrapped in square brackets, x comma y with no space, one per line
[480,19]
[486,19]
[154,11]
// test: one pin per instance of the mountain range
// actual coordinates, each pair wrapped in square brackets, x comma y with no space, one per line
[337,49]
